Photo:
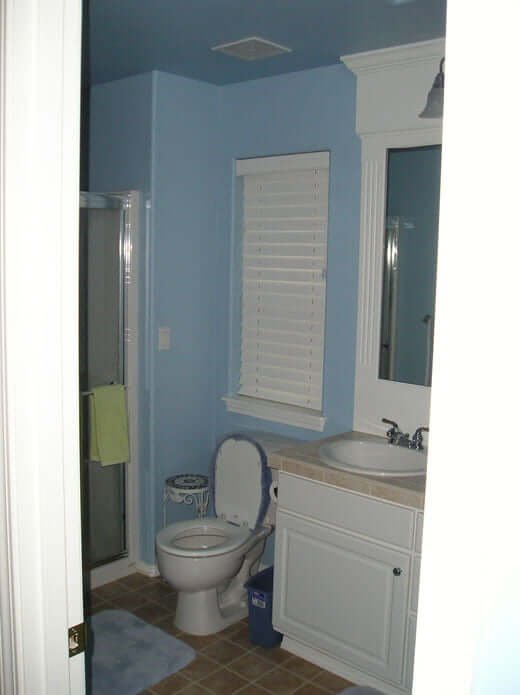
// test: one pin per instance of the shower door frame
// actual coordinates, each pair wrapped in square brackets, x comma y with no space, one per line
[123,566]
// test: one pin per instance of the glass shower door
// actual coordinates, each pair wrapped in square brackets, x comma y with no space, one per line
[102,361]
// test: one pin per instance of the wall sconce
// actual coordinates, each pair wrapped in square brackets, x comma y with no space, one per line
[435,99]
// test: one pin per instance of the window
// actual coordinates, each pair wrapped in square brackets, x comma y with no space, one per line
[284,203]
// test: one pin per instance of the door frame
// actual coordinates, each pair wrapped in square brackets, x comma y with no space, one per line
[40,522]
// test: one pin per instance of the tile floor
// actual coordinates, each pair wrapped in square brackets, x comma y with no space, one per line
[225,663]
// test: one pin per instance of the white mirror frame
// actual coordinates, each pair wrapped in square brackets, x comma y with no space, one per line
[397,79]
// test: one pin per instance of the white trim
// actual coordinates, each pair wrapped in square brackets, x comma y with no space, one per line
[8,679]
[275,412]
[40,315]
[110,572]
[288,162]
[119,569]
[147,569]
[398,79]
[132,376]
[388,58]
[381,75]
[376,398]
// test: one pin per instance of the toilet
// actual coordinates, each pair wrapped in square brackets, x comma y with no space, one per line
[207,561]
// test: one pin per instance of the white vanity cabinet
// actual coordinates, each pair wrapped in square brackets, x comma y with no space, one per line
[344,566]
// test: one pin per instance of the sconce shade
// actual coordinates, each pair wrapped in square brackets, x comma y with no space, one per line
[435,100]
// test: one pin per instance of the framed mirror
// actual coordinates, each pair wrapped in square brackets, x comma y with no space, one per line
[409,264]
[392,85]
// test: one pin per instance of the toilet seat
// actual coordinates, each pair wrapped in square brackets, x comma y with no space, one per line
[201,538]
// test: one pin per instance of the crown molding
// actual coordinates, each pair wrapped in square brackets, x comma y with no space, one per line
[389,58]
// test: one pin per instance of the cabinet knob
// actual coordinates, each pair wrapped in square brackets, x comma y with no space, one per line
[398,571]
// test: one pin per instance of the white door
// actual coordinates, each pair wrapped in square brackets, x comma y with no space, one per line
[343,595]
[40,539]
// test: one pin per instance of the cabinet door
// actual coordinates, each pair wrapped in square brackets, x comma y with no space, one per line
[340,594]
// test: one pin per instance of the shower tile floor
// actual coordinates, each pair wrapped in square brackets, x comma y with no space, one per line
[225,663]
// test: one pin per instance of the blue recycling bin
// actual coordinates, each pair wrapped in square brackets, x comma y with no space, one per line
[260,605]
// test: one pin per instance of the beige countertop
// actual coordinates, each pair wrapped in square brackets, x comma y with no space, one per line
[304,460]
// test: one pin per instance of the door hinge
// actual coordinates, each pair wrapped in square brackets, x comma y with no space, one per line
[77,639]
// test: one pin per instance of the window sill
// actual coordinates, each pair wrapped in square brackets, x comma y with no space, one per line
[275,412]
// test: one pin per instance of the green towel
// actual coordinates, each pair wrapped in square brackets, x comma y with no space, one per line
[108,425]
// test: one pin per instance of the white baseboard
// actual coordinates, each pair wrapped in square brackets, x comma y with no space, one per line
[147,569]
[111,572]
[339,668]
[122,568]
[118,570]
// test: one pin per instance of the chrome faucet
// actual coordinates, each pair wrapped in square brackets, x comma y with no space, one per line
[417,440]
[394,434]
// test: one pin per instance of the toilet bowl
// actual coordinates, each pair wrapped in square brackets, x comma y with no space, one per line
[207,561]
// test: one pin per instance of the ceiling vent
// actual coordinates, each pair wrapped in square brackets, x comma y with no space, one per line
[251,48]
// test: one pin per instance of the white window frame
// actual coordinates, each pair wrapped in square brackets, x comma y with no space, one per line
[241,398]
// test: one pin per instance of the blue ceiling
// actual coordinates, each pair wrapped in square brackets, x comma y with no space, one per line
[126,37]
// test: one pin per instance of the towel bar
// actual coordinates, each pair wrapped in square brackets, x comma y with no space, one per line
[89,393]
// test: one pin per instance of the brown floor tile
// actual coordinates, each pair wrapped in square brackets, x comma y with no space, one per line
[136,581]
[197,641]
[280,681]
[301,667]
[194,689]
[92,600]
[226,663]
[156,591]
[250,666]
[168,602]
[167,625]
[311,689]
[223,652]
[241,637]
[331,682]
[232,629]
[223,682]
[199,668]
[129,600]
[101,606]
[150,612]
[107,591]
[276,655]
[172,684]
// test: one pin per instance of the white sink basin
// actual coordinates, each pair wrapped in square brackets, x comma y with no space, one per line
[373,457]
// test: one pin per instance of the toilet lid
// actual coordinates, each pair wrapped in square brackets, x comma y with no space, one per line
[240,481]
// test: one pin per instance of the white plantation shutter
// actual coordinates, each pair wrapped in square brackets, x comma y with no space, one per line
[285,213]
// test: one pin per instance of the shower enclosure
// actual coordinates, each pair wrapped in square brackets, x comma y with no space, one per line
[105,270]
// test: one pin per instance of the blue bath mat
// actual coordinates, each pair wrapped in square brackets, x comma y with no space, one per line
[127,655]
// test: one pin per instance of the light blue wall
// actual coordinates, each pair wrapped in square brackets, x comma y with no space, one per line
[155,133]
[177,140]
[120,143]
[120,134]
[183,283]
[300,112]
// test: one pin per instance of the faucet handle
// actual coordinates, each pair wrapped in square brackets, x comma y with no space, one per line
[417,439]
[394,432]
[390,422]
